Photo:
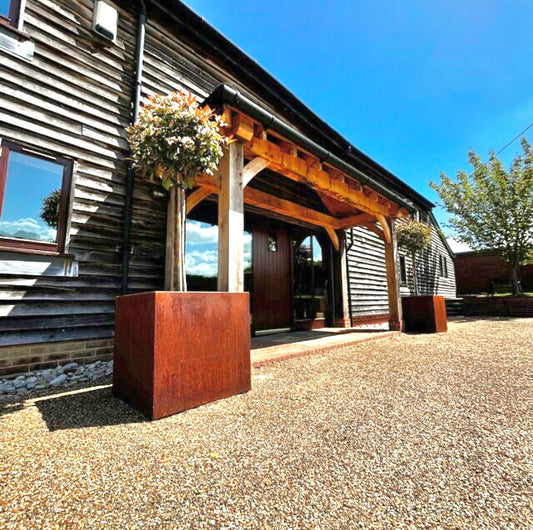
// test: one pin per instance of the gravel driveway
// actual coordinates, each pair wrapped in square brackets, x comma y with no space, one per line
[430,431]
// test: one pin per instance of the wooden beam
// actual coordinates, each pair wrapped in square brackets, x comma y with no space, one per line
[333,236]
[253,168]
[242,127]
[345,318]
[269,202]
[354,220]
[231,221]
[196,197]
[375,229]
[385,227]
[393,280]
[298,169]
[287,208]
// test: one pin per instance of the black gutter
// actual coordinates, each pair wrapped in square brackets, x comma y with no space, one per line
[130,178]
[224,94]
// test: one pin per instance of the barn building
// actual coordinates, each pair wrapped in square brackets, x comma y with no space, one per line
[306,221]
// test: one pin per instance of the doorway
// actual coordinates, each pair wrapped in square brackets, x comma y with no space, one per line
[271,298]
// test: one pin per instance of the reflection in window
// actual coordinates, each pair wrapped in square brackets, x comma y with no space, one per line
[310,280]
[403,270]
[247,259]
[272,242]
[9,9]
[5,6]
[32,193]
[201,256]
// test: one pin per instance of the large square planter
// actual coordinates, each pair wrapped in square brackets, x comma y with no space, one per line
[424,314]
[175,351]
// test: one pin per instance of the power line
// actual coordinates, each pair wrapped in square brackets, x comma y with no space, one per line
[514,139]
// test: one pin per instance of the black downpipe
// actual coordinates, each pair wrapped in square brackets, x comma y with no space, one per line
[130,178]
[226,94]
[347,249]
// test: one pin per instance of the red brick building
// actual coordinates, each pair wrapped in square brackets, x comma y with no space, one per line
[474,272]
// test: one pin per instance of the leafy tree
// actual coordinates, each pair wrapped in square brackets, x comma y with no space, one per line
[414,237]
[50,209]
[493,208]
[173,140]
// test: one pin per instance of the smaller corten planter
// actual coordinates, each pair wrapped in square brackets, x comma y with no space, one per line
[175,351]
[424,314]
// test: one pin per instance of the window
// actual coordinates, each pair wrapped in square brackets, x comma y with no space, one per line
[10,12]
[443,266]
[272,242]
[403,271]
[34,193]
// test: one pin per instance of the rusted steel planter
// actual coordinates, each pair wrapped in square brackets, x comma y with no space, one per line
[176,351]
[424,314]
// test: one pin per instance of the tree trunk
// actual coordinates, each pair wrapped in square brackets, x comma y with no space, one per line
[514,280]
[175,243]
[415,279]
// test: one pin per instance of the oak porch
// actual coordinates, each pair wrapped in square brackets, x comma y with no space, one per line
[349,203]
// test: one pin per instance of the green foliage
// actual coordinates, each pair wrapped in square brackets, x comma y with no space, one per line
[413,236]
[493,208]
[174,140]
[50,209]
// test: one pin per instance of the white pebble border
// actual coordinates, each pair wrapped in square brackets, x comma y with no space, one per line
[61,377]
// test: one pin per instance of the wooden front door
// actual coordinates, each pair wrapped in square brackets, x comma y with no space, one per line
[271,248]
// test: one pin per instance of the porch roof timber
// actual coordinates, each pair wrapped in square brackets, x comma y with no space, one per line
[296,163]
[266,147]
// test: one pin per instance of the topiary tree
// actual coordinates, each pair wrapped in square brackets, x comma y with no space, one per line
[414,237]
[173,140]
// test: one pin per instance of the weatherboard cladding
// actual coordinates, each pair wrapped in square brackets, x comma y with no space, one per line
[367,273]
[74,99]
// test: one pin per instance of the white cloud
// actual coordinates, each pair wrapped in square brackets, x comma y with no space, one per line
[201,233]
[457,246]
[208,270]
[27,228]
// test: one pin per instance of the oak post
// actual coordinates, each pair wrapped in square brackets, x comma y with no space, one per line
[344,320]
[393,283]
[231,220]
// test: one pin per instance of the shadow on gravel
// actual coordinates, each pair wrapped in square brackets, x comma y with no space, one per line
[91,408]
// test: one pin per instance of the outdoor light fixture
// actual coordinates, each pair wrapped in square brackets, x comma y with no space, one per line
[105,20]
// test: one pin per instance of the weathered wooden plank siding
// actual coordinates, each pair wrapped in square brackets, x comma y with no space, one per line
[429,279]
[73,100]
[367,274]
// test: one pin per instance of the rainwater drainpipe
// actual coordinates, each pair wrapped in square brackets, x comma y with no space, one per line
[130,178]
[347,249]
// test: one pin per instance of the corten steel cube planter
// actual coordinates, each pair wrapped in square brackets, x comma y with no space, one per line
[424,314]
[176,351]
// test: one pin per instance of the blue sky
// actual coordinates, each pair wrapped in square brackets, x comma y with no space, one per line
[414,84]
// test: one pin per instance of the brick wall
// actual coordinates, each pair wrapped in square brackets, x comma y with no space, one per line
[503,306]
[475,270]
[29,357]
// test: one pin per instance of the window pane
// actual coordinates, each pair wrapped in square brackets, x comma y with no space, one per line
[201,256]
[4,8]
[272,242]
[31,199]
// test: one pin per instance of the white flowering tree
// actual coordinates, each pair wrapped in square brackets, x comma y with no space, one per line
[173,140]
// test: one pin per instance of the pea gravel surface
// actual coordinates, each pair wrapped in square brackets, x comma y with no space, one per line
[427,431]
